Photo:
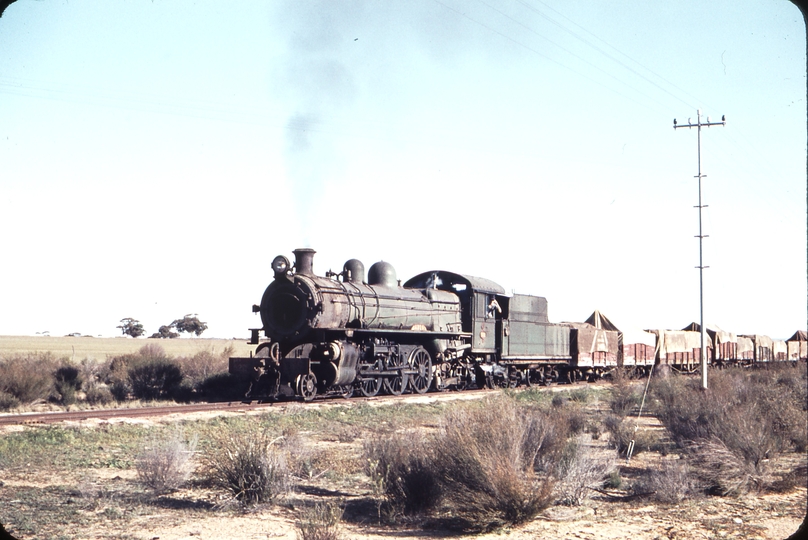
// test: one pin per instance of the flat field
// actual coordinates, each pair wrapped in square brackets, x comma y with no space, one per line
[78,348]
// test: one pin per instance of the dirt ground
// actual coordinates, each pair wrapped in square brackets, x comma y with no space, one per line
[767,516]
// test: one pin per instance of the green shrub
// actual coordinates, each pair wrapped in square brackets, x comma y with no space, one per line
[96,394]
[157,378]
[223,387]
[8,401]
[405,465]
[623,397]
[120,390]
[68,382]
[204,364]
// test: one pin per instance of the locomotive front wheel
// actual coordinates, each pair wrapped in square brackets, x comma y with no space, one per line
[421,362]
[307,386]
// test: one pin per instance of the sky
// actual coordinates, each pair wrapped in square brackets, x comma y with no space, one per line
[155,156]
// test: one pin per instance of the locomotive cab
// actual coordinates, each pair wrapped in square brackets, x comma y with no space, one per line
[481,302]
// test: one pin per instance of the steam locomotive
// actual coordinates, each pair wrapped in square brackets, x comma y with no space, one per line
[340,334]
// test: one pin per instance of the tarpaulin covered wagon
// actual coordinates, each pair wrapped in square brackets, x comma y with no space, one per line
[638,347]
[779,350]
[725,344]
[746,349]
[593,347]
[762,347]
[797,346]
[680,348]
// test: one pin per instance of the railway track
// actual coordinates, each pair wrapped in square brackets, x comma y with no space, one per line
[139,412]
[55,417]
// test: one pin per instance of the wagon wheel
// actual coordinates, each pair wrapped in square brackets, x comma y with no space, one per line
[421,362]
[306,386]
[371,387]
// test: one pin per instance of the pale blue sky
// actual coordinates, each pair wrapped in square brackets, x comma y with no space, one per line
[155,156]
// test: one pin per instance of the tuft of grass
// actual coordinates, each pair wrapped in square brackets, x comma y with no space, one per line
[320,522]
[623,430]
[166,463]
[671,482]
[579,470]
[249,464]
[723,470]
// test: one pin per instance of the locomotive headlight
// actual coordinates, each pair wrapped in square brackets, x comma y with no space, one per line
[280,265]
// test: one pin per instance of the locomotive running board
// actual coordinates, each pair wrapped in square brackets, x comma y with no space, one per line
[350,331]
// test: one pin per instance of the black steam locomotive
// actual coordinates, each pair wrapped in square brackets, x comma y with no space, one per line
[340,334]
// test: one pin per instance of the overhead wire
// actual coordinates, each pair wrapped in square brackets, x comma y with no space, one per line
[539,53]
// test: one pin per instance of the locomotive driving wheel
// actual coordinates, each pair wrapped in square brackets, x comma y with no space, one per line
[395,385]
[421,362]
[306,386]
[370,387]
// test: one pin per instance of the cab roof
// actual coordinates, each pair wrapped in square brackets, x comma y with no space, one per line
[449,281]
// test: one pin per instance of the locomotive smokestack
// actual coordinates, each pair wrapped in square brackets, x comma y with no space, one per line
[304,261]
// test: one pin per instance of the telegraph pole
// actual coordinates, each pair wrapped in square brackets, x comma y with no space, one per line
[701,236]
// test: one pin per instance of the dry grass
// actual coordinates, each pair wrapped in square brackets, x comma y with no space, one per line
[670,482]
[97,348]
[166,464]
[320,522]
[581,469]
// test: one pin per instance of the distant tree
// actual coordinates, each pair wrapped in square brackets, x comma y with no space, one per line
[165,332]
[190,324]
[131,327]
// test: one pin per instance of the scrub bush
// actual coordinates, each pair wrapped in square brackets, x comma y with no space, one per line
[68,382]
[27,377]
[320,522]
[249,464]
[166,464]
[734,430]
[482,470]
